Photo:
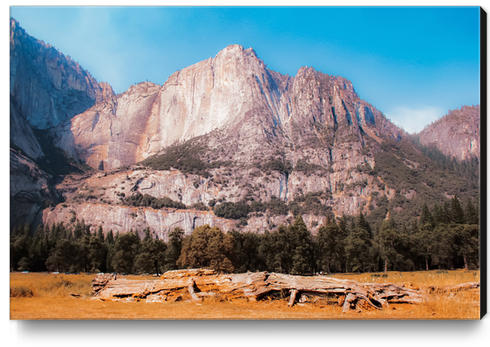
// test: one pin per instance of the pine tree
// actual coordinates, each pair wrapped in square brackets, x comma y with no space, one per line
[387,239]
[426,218]
[20,242]
[126,248]
[151,257]
[100,233]
[471,213]
[331,248]
[97,254]
[358,249]
[303,252]
[174,248]
[466,243]
[363,224]
[109,244]
[457,214]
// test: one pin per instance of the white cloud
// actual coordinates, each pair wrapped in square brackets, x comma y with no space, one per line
[414,120]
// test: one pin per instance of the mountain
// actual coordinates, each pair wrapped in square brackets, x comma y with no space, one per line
[46,86]
[233,92]
[229,143]
[457,134]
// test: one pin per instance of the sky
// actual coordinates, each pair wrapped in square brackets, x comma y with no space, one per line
[411,63]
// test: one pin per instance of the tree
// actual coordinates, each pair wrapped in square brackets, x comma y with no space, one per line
[20,242]
[423,243]
[303,262]
[471,213]
[247,252]
[109,244]
[440,217]
[208,248]
[151,258]
[39,250]
[467,244]
[442,246]
[174,248]
[62,256]
[97,254]
[387,239]
[426,218]
[457,214]
[281,247]
[331,247]
[126,248]
[358,248]
[363,224]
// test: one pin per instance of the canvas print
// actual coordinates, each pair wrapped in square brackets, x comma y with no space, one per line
[245,163]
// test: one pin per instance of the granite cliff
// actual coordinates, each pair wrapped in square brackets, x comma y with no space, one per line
[47,86]
[225,142]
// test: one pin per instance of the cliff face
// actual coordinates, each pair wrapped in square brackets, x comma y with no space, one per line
[314,122]
[457,134]
[234,93]
[30,191]
[46,86]
[22,135]
[226,129]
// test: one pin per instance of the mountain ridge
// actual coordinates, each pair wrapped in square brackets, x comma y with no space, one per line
[225,137]
[457,134]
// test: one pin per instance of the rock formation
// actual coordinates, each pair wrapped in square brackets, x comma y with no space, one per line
[233,92]
[226,129]
[47,86]
[457,134]
[30,191]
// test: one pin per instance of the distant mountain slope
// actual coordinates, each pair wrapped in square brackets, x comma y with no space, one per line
[48,87]
[457,134]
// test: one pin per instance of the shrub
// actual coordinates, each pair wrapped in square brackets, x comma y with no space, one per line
[21,292]
[257,206]
[278,165]
[199,206]
[308,169]
[276,207]
[146,200]
[184,157]
[231,210]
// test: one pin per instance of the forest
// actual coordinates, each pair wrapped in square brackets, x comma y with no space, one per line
[445,237]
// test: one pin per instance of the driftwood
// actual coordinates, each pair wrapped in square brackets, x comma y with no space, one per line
[200,283]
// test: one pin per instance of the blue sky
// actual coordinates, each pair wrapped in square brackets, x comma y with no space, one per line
[412,63]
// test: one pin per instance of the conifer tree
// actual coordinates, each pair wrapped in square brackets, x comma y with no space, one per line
[471,213]
[303,252]
[331,244]
[208,248]
[174,248]
[387,239]
[426,218]
[457,214]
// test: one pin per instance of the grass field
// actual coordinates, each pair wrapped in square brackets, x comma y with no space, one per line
[47,296]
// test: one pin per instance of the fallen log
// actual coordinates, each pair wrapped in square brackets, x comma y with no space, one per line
[200,283]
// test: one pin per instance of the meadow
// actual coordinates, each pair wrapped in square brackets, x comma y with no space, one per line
[49,296]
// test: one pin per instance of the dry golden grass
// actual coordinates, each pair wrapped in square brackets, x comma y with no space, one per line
[51,299]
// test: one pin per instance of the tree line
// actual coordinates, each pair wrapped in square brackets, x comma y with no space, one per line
[445,237]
